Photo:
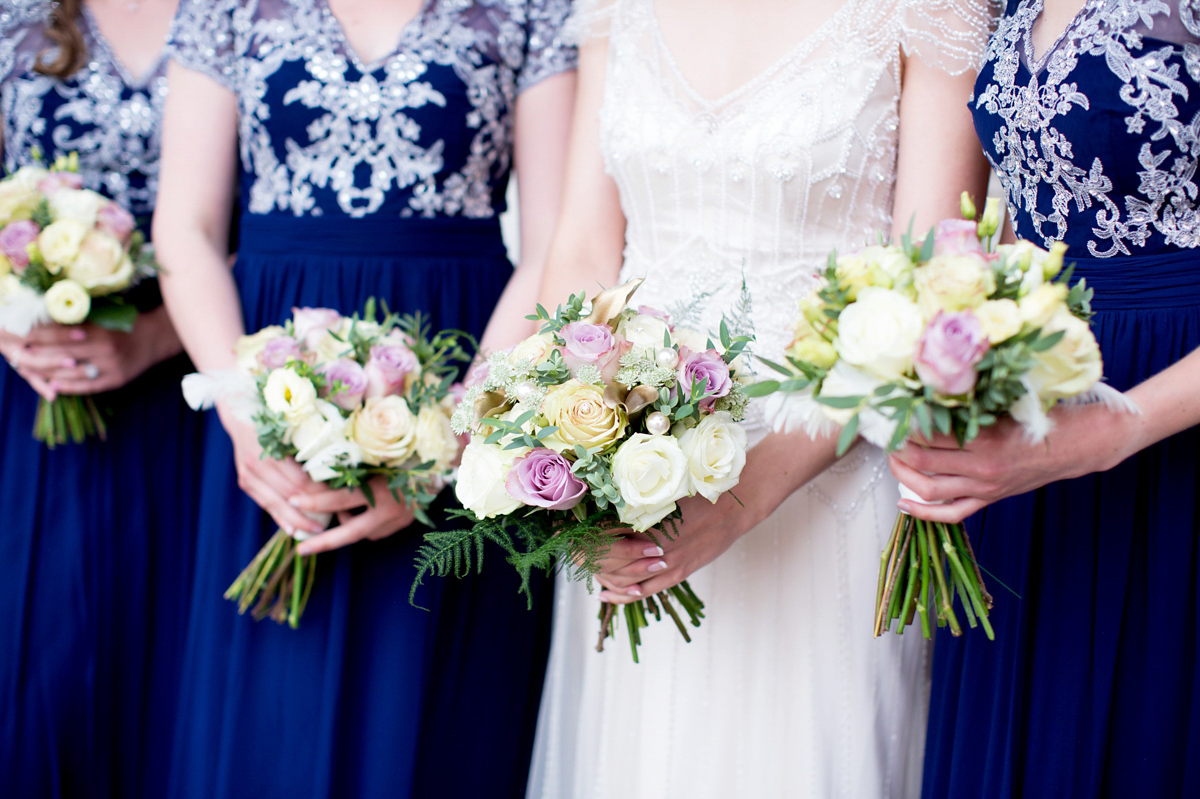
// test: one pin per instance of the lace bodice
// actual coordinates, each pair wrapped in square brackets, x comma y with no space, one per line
[426,131]
[111,118]
[733,205]
[1097,140]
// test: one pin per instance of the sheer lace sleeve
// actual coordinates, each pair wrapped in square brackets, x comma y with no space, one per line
[21,22]
[589,18]
[948,34]
[547,52]
[202,37]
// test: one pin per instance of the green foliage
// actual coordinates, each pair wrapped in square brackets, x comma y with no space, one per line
[563,315]
[111,313]
[596,472]
[41,216]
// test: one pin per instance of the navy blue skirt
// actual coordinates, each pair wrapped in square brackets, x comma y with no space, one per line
[370,697]
[1092,686]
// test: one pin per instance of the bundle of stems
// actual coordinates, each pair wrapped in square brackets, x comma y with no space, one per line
[924,565]
[636,615]
[277,582]
[68,417]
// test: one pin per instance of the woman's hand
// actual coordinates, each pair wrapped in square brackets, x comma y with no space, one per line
[85,359]
[1003,462]
[385,517]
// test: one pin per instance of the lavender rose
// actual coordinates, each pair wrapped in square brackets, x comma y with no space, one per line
[586,343]
[53,181]
[389,368]
[956,237]
[14,238]
[311,323]
[278,351]
[116,221]
[708,369]
[948,350]
[543,478]
[352,379]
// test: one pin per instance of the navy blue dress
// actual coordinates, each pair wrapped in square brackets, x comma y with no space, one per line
[1092,687]
[363,180]
[95,539]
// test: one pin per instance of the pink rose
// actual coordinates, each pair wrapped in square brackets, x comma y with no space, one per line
[352,383]
[956,237]
[948,350]
[585,343]
[14,238]
[706,369]
[116,221]
[54,181]
[311,323]
[388,368]
[543,478]
[278,351]
[646,310]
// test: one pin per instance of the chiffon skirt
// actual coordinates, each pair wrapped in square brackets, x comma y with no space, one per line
[1092,686]
[95,568]
[371,696]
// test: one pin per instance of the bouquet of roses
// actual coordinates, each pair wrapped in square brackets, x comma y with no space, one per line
[601,421]
[66,255]
[350,398]
[945,336]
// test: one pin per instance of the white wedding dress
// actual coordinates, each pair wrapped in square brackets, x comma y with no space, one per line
[732,208]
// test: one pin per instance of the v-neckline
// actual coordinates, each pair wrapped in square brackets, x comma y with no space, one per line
[805,44]
[335,25]
[126,75]
[1038,65]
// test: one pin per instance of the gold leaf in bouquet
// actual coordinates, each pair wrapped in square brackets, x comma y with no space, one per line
[610,302]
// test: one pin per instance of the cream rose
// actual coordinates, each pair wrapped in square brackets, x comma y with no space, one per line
[435,441]
[67,302]
[1000,319]
[102,266]
[644,331]
[385,428]
[1071,366]
[76,205]
[481,476]
[808,345]
[579,412]
[59,243]
[952,283]
[1042,304]
[879,332]
[650,473]
[716,453]
[889,266]
[291,396]
[17,201]
[534,349]
[247,348]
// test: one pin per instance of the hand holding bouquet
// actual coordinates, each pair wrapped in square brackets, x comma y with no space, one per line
[66,256]
[600,422]
[946,336]
[350,399]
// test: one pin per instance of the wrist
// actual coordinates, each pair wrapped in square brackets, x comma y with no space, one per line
[1111,436]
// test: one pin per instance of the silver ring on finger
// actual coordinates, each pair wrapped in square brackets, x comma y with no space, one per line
[91,371]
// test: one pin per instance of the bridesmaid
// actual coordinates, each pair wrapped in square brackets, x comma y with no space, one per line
[372,140]
[95,550]
[1092,687]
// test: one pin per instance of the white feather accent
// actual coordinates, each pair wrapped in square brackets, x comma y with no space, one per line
[22,310]
[1029,412]
[1108,396]
[201,390]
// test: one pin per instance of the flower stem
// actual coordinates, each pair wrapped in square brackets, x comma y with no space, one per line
[946,609]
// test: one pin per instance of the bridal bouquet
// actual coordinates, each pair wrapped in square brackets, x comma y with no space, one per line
[600,422]
[66,255]
[944,336]
[349,398]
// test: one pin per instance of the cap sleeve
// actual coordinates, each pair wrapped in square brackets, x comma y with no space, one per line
[203,37]
[547,51]
[948,34]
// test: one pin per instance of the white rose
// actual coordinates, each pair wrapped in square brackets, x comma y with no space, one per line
[67,302]
[481,477]
[892,262]
[879,332]
[290,395]
[28,177]
[692,339]
[716,453]
[1070,367]
[76,205]
[1042,304]
[385,429]
[102,266]
[435,441]
[247,348]
[650,473]
[17,201]
[324,427]
[328,348]
[320,466]
[644,331]
[59,242]
[534,349]
[1000,319]
[844,380]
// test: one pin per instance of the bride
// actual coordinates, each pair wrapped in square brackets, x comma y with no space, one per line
[722,148]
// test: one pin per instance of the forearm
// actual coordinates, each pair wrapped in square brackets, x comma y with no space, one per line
[780,465]
[155,328]
[200,295]
[1169,405]
[508,324]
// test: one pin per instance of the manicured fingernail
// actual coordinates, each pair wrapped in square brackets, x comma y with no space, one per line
[78,335]
[633,590]
[68,363]
[609,596]
[657,567]
[303,551]
[652,552]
